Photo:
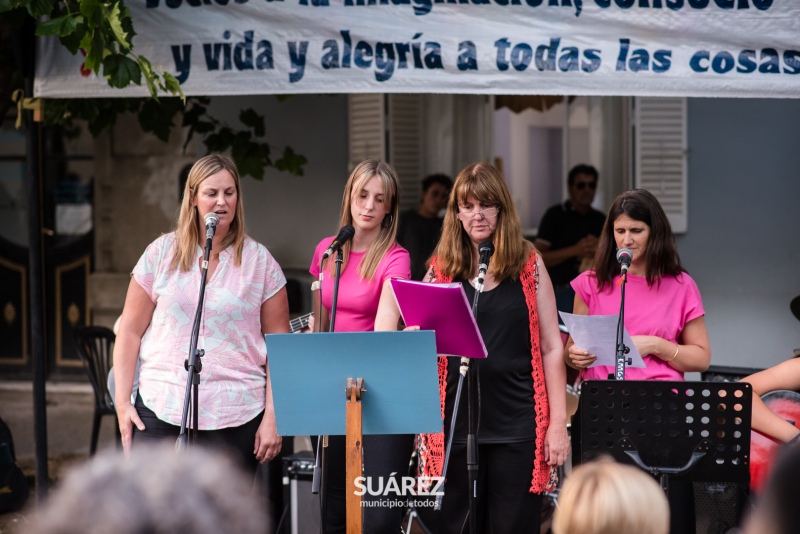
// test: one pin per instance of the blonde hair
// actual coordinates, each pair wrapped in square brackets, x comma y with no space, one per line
[456,255]
[363,173]
[605,497]
[188,228]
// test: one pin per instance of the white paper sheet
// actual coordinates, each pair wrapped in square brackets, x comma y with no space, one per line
[597,334]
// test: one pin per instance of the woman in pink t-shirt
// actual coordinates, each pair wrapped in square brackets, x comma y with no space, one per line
[365,302]
[245,298]
[663,310]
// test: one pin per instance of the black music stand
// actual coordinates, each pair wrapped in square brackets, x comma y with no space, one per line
[697,431]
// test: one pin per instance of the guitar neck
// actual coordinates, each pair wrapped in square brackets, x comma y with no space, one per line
[298,323]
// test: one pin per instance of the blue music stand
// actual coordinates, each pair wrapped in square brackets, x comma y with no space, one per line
[353,384]
[309,373]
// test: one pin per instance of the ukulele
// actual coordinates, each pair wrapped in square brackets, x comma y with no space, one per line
[763,449]
[298,323]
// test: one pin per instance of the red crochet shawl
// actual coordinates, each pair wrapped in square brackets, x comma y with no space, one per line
[431,446]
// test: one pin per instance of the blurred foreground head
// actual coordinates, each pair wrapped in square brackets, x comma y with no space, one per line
[776,510]
[154,491]
[605,497]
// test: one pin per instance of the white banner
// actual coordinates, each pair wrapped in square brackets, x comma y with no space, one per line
[743,48]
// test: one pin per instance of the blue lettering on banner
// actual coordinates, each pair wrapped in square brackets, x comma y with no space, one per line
[224,56]
[548,57]
[467,56]
[182,54]
[297,58]
[745,62]
[638,59]
[175,4]
[385,58]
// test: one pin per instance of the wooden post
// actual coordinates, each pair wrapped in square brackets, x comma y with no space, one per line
[354,453]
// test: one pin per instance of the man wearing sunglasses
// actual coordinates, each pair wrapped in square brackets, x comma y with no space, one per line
[568,233]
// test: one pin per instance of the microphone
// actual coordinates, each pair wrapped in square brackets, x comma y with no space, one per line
[624,257]
[211,224]
[345,234]
[486,249]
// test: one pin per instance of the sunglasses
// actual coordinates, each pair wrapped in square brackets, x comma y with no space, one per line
[580,186]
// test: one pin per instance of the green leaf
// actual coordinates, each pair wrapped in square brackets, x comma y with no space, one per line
[250,118]
[121,71]
[156,118]
[173,86]
[72,41]
[39,8]
[115,23]
[93,43]
[220,141]
[61,26]
[193,114]
[89,8]
[250,159]
[149,77]
[291,162]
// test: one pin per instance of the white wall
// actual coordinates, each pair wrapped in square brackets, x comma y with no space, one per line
[743,243]
[291,214]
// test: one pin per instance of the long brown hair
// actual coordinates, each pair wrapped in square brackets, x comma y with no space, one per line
[187,230]
[363,172]
[456,253]
[661,254]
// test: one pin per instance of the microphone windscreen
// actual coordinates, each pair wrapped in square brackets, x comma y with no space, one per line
[211,219]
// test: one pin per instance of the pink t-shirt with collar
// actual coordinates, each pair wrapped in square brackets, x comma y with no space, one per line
[661,310]
[357,303]
[233,377]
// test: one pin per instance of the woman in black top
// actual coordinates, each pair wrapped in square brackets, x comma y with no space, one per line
[521,430]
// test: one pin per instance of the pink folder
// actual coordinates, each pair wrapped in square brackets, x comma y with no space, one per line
[444,309]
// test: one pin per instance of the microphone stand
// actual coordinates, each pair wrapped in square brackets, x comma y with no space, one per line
[319,482]
[192,363]
[621,360]
[472,438]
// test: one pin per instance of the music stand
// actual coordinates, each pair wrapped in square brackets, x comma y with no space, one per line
[400,395]
[697,431]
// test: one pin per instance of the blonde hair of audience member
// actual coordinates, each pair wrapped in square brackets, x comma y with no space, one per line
[605,497]
[390,182]
[154,491]
[187,230]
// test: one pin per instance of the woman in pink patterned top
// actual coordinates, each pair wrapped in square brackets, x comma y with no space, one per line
[245,298]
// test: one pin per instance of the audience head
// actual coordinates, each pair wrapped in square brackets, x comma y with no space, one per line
[154,491]
[655,248]
[605,497]
[582,186]
[435,190]
[776,511]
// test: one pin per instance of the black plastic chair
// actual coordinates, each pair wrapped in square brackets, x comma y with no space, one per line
[95,347]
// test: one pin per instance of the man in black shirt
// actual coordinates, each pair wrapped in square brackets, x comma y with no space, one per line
[569,232]
[419,229]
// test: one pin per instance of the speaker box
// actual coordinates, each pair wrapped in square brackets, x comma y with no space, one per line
[303,514]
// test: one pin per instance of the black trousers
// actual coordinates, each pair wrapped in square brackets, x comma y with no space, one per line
[383,456]
[504,504]
[238,442]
